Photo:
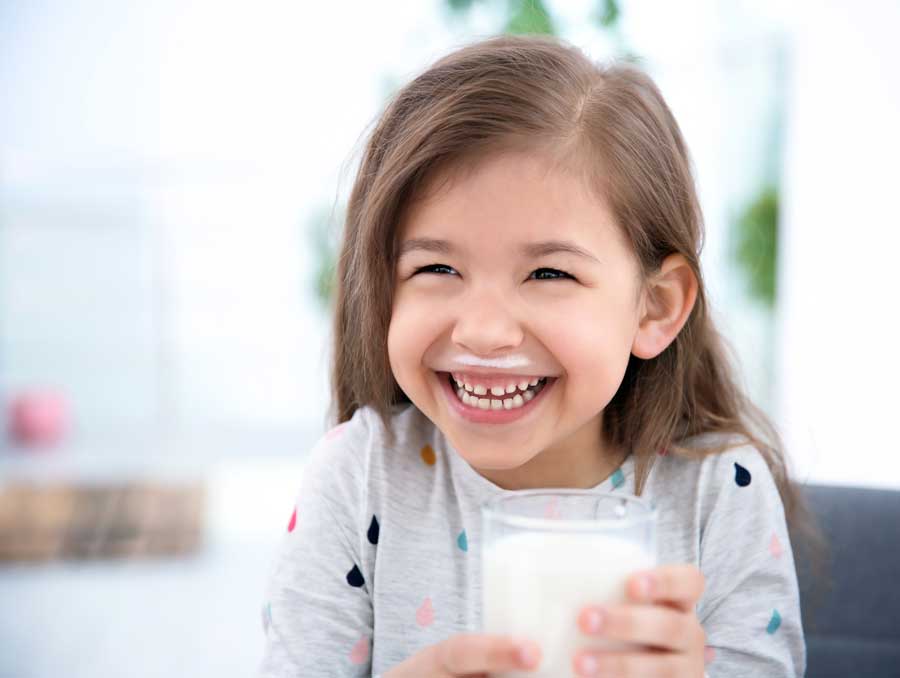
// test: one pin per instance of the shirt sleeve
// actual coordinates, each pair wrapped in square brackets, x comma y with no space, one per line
[317,613]
[751,607]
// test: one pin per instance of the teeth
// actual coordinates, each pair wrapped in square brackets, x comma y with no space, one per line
[467,394]
[494,404]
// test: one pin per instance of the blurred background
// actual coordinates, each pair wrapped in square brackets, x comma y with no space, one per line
[172,181]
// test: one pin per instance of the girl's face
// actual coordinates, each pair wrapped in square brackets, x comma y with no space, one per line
[483,293]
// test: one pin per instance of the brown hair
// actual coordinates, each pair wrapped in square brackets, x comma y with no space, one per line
[539,93]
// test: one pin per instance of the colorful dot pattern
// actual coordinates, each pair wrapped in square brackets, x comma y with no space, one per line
[428,455]
[741,475]
[266,617]
[359,654]
[425,613]
[293,522]
[617,479]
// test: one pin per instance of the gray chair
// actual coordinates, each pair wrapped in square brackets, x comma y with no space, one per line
[851,619]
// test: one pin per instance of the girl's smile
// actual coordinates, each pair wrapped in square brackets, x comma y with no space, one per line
[493,400]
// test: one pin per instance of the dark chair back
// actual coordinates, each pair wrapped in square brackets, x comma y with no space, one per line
[852,619]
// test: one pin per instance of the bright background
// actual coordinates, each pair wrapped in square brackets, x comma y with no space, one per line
[171,171]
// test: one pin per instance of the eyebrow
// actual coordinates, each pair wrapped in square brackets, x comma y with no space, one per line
[532,250]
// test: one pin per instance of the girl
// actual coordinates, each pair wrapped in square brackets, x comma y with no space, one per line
[520,305]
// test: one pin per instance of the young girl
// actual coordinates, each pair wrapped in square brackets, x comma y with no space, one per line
[520,305]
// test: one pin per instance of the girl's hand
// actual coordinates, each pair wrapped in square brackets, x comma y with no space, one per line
[663,622]
[471,655]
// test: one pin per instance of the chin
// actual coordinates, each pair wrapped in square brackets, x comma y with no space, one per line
[490,457]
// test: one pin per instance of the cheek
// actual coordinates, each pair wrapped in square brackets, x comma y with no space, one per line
[409,335]
[593,349]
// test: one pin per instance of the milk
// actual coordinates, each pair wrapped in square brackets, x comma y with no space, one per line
[536,583]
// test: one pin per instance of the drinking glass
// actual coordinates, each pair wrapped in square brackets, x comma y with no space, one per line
[548,553]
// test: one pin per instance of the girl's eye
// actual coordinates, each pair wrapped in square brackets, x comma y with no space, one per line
[551,274]
[539,274]
[430,268]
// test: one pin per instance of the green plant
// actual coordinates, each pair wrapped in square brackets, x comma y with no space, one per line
[756,244]
[528,16]
[533,16]
[321,231]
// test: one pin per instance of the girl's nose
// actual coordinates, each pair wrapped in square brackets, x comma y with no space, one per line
[486,327]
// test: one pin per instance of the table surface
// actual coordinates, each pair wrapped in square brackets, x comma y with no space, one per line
[191,616]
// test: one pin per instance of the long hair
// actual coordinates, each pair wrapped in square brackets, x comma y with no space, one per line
[610,124]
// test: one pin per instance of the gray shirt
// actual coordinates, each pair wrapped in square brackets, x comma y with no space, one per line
[381,556]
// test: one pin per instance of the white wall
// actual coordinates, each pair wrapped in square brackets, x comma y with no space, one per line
[841,242]
[157,162]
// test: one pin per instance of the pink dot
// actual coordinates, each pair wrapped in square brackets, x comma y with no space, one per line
[425,614]
[709,654]
[293,523]
[551,511]
[775,547]
[663,452]
[360,652]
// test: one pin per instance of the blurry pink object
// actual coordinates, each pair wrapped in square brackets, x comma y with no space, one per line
[38,417]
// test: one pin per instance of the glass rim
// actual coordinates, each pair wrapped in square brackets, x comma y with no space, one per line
[490,510]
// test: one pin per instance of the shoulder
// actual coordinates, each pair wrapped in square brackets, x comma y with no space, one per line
[735,478]
[736,462]
[357,455]
[740,470]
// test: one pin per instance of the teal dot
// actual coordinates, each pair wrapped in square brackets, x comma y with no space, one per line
[462,542]
[267,617]
[617,479]
[774,622]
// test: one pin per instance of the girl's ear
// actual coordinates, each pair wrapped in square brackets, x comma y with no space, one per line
[666,303]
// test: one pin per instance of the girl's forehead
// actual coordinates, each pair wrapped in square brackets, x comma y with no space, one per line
[508,198]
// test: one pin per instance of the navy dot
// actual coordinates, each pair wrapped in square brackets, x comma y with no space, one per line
[741,475]
[373,531]
[355,578]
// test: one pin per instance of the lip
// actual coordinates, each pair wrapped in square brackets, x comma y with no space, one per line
[479,416]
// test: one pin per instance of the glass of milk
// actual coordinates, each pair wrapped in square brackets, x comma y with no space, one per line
[546,554]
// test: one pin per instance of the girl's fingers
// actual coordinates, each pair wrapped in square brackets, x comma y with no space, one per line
[636,664]
[469,653]
[677,585]
[657,626]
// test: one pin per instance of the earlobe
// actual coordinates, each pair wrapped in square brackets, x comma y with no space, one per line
[668,301]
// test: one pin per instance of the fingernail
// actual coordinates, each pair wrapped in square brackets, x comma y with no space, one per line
[593,620]
[587,665]
[644,586]
[526,654]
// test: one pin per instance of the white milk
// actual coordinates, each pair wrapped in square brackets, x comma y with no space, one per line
[535,585]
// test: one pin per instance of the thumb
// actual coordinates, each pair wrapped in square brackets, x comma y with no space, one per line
[468,653]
